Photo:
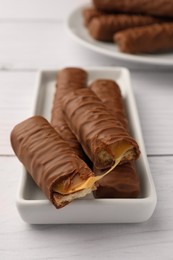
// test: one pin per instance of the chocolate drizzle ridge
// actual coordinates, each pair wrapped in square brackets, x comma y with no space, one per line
[147,39]
[103,27]
[47,157]
[123,181]
[95,128]
[155,7]
[68,79]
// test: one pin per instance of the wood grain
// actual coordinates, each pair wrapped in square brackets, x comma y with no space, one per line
[38,9]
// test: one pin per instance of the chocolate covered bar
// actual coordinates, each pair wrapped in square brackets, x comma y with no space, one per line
[71,78]
[155,7]
[104,140]
[53,165]
[89,13]
[67,79]
[109,93]
[148,39]
[123,181]
[103,27]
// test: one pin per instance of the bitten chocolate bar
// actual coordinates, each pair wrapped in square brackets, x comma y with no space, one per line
[123,181]
[103,139]
[155,7]
[50,161]
[68,79]
[148,39]
[103,27]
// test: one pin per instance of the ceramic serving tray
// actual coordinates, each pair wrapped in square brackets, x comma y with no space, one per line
[33,206]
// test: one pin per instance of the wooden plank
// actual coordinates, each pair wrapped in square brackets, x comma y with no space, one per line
[38,9]
[16,101]
[154,96]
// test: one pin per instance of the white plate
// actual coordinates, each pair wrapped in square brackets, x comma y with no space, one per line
[34,207]
[79,33]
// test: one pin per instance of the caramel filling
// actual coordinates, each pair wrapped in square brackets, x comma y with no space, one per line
[78,184]
[121,150]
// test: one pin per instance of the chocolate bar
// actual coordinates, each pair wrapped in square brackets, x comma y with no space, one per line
[71,78]
[155,7]
[123,181]
[104,140]
[103,27]
[53,165]
[89,13]
[148,39]
[67,79]
[109,93]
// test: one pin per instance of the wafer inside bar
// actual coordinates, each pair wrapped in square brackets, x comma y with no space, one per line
[49,160]
[155,7]
[103,139]
[104,27]
[148,39]
[123,181]
[67,79]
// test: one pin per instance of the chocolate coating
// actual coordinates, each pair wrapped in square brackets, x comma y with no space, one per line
[71,78]
[109,93]
[68,79]
[47,158]
[103,27]
[123,181]
[95,128]
[154,7]
[89,13]
[148,39]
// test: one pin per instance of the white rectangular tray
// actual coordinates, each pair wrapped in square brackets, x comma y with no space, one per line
[34,207]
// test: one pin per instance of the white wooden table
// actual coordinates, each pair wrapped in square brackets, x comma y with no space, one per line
[32,37]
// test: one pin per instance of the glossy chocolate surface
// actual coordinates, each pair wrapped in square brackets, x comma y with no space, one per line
[123,181]
[46,156]
[148,39]
[68,79]
[104,27]
[93,125]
